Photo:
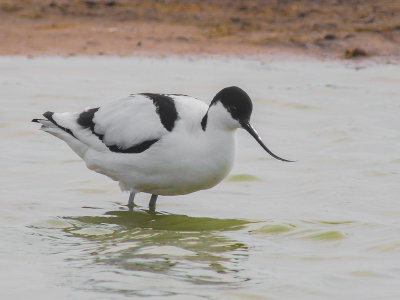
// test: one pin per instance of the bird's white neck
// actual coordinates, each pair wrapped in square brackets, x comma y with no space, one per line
[219,119]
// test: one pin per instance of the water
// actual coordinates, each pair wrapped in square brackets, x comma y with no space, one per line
[325,227]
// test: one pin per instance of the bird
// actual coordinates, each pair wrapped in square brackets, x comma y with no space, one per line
[160,144]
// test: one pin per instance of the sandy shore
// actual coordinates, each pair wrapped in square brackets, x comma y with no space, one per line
[323,29]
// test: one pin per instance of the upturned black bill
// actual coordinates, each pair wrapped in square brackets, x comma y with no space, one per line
[255,135]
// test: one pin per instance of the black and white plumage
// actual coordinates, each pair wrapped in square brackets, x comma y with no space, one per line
[162,144]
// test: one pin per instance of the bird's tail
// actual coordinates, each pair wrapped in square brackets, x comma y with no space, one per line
[49,125]
[45,123]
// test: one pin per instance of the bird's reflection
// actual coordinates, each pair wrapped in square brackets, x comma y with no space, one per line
[145,240]
[150,219]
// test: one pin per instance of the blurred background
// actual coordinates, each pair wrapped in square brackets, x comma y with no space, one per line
[322,28]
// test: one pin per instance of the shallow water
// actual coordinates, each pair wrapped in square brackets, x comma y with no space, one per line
[325,227]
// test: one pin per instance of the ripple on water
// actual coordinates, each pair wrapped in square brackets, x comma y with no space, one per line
[330,235]
[302,230]
[390,247]
[297,105]
[364,273]
[243,178]
[165,251]
[52,223]
[192,249]
[270,228]
[93,231]
[92,190]
[21,133]
[121,247]
[342,140]
[336,222]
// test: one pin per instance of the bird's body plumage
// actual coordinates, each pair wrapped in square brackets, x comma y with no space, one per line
[162,144]
[181,160]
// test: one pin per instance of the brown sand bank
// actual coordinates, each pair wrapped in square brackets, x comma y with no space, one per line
[321,28]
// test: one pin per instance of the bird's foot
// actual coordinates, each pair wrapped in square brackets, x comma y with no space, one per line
[131,202]
[152,203]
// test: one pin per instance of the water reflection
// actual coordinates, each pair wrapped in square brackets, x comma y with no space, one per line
[192,249]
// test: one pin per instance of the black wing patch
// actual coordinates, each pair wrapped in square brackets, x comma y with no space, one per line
[139,148]
[165,107]
[85,119]
[204,122]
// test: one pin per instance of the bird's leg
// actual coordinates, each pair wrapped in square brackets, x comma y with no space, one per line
[152,203]
[131,201]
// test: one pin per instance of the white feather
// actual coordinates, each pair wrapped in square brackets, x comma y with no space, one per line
[184,160]
[129,122]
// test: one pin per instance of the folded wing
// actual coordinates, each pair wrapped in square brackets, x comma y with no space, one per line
[129,125]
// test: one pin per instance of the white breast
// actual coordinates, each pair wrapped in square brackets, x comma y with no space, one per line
[185,160]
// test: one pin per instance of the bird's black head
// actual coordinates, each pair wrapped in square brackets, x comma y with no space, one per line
[239,106]
[236,102]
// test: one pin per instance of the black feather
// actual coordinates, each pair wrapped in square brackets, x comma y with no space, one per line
[165,107]
[85,118]
[134,149]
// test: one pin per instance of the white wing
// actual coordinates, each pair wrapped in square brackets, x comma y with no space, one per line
[128,122]
[128,125]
